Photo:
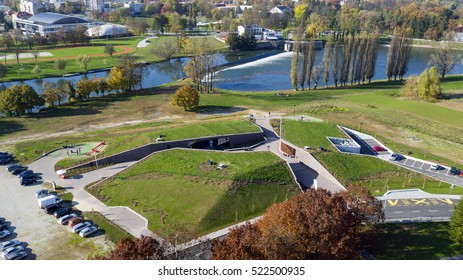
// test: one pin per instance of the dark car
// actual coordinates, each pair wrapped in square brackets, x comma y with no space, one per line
[25,173]
[61,212]
[2,220]
[50,209]
[3,155]
[12,167]
[7,160]
[27,181]
[454,171]
[18,170]
[31,176]
[4,226]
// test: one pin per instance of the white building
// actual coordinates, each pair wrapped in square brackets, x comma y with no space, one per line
[58,3]
[94,5]
[135,8]
[47,23]
[33,7]
[107,30]
[255,30]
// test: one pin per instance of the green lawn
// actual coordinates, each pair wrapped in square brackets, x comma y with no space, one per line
[375,174]
[420,241]
[113,232]
[195,197]
[125,138]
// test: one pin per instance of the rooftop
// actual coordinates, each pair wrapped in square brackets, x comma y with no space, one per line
[54,18]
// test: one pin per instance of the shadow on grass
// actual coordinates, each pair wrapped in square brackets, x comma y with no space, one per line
[206,110]
[10,125]
[421,241]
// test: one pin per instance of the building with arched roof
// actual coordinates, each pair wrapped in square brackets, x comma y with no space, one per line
[46,23]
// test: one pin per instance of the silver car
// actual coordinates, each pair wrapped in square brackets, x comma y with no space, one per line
[65,219]
[4,234]
[11,250]
[88,231]
[8,244]
[77,228]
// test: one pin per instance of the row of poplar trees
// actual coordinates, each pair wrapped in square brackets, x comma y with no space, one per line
[350,59]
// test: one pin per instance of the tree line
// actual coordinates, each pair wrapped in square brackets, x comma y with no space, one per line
[22,99]
[346,60]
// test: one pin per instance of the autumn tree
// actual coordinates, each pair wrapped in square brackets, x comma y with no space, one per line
[311,62]
[143,248]
[83,61]
[456,224]
[109,49]
[327,58]
[399,52]
[428,85]
[117,80]
[336,63]
[50,93]
[164,49]
[311,225]
[295,61]
[186,97]
[410,88]
[19,99]
[444,58]
[60,65]
[84,88]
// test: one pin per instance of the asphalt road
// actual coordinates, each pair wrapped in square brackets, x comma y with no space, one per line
[419,209]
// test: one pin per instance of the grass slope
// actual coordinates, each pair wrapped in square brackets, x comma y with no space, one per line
[194,197]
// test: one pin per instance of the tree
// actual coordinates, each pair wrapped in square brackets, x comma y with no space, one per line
[456,224]
[117,80]
[143,248]
[311,225]
[444,58]
[327,58]
[36,70]
[3,71]
[429,85]
[50,93]
[85,87]
[410,88]
[19,99]
[60,64]
[109,49]
[83,60]
[164,49]
[186,97]
[399,54]
[295,61]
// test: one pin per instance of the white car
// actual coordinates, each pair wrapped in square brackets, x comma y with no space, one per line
[88,230]
[11,250]
[4,234]
[65,219]
[77,228]
[8,244]
[42,193]
[221,166]
[436,167]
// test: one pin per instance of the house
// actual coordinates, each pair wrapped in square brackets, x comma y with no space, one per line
[279,10]
[255,30]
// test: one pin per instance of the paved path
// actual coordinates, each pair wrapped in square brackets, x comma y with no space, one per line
[306,168]
[145,42]
[126,218]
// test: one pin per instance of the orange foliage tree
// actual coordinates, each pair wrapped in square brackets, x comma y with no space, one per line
[311,225]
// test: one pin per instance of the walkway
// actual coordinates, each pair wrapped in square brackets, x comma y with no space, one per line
[124,217]
[305,167]
[145,42]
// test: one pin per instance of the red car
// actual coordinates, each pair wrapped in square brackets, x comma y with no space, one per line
[379,149]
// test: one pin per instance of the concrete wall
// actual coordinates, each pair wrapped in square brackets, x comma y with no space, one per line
[235,140]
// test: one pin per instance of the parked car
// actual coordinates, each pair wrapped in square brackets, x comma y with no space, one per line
[25,172]
[18,170]
[60,212]
[3,226]
[51,208]
[454,171]
[8,244]
[4,234]
[436,167]
[42,193]
[75,221]
[395,157]
[27,181]
[11,250]
[2,220]
[88,231]
[6,160]
[461,173]
[379,149]
[12,167]
[77,228]
[65,219]
[16,255]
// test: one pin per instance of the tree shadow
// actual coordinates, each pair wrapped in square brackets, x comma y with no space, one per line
[10,125]
[453,96]
[212,110]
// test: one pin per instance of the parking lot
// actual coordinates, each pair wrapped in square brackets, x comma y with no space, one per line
[38,232]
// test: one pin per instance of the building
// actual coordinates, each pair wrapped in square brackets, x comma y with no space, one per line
[47,23]
[107,30]
[255,30]
[94,5]
[279,10]
[135,8]
[33,7]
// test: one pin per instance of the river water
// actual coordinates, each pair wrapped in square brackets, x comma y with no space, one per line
[270,73]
